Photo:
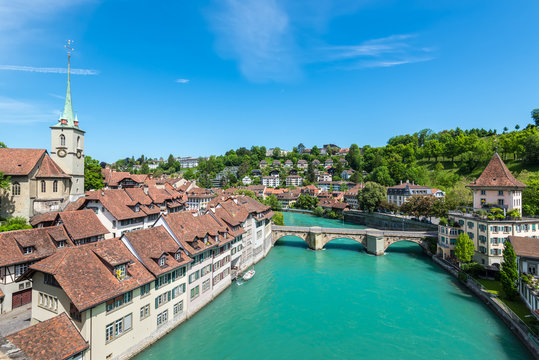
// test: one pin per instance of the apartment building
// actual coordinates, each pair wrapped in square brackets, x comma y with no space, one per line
[198,198]
[271,181]
[294,180]
[496,188]
[399,194]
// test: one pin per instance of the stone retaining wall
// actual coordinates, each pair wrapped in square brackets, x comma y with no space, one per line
[386,221]
[494,304]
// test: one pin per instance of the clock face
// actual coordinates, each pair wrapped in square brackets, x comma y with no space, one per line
[79,154]
[62,153]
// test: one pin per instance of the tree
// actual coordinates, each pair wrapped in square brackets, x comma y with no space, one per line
[318,211]
[310,173]
[15,223]
[509,272]
[315,151]
[357,177]
[530,196]
[2,145]
[464,248]
[381,176]
[93,179]
[517,126]
[306,201]
[272,202]
[189,174]
[276,153]
[535,116]
[278,218]
[145,169]
[4,182]
[371,196]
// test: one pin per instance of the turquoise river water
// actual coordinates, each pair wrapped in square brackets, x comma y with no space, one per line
[341,303]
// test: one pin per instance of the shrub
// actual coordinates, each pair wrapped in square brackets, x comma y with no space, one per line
[474,269]
[463,277]
[443,221]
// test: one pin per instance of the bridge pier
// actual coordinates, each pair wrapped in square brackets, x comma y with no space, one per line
[375,245]
[315,241]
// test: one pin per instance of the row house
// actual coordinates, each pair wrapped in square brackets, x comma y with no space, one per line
[120,210]
[188,162]
[122,179]
[276,163]
[328,163]
[497,187]
[263,164]
[198,198]
[294,180]
[24,247]
[399,194]
[332,204]
[324,177]
[288,163]
[527,252]
[302,164]
[287,199]
[135,289]
[351,196]
[271,181]
[335,185]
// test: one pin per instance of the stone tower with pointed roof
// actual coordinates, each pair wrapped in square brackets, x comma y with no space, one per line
[67,143]
[497,186]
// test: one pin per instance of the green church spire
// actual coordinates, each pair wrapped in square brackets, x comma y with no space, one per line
[68,116]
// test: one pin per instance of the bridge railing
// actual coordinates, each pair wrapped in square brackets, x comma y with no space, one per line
[373,232]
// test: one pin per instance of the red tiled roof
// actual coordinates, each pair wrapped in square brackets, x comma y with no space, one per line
[44,240]
[53,339]
[150,244]
[19,161]
[497,175]
[117,202]
[48,217]
[49,169]
[82,224]
[86,272]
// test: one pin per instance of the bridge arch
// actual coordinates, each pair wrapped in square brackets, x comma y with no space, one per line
[278,239]
[361,239]
[419,241]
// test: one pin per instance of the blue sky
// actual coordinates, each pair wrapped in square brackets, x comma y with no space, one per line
[195,78]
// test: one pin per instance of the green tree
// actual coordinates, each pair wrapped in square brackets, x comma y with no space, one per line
[315,151]
[145,169]
[272,202]
[535,116]
[93,179]
[2,145]
[311,177]
[371,196]
[357,177]
[381,176]
[306,201]
[464,248]
[189,174]
[278,218]
[14,223]
[4,182]
[318,211]
[509,272]
[530,196]
[276,153]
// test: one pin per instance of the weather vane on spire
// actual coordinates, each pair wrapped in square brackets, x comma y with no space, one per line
[69,47]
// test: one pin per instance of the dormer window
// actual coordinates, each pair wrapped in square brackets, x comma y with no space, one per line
[61,243]
[28,250]
[217,238]
[178,255]
[120,271]
[162,261]
[206,240]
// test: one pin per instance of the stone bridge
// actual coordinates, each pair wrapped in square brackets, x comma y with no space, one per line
[375,241]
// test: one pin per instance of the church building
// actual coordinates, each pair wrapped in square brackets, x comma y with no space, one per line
[41,182]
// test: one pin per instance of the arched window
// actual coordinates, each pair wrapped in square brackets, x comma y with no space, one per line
[16,188]
[62,140]
[43,186]
[78,142]
[55,186]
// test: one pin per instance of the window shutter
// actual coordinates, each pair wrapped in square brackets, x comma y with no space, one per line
[174,293]
[156,283]
[156,302]
[174,276]
[169,295]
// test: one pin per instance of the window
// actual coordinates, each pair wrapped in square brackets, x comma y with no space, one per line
[178,308]
[162,261]
[21,269]
[28,250]
[206,285]
[74,313]
[61,243]
[162,318]
[144,289]
[16,188]
[194,276]
[120,271]
[500,192]
[78,142]
[178,255]
[43,186]
[55,186]
[119,327]
[195,292]
[162,280]
[145,311]
[50,280]
[48,302]
[119,301]
[205,270]
[163,299]
[178,290]
[62,140]
[470,224]
[483,192]
[500,202]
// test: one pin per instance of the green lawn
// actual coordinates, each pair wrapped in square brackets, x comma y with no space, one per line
[517,305]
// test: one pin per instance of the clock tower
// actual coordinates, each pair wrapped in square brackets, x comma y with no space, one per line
[67,141]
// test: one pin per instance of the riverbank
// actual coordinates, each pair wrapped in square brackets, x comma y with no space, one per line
[510,319]
[342,303]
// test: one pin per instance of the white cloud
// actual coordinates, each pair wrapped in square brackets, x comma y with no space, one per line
[48,70]
[383,52]
[182,81]
[257,34]
[14,111]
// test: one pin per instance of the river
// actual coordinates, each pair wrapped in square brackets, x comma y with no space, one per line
[342,303]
